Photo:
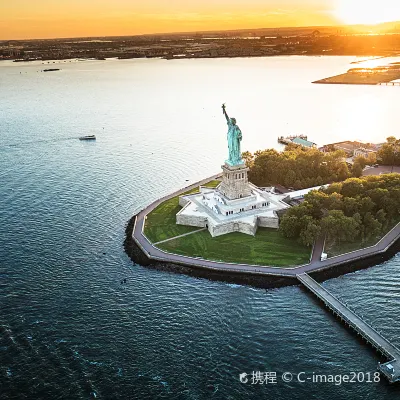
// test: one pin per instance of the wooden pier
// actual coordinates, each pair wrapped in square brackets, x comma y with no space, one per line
[390,369]
[289,139]
[389,84]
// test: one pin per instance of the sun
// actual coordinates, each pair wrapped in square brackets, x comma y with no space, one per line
[368,11]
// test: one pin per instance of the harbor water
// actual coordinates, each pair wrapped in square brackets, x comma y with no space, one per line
[71,327]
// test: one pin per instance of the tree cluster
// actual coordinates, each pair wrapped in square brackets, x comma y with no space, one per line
[389,153]
[360,162]
[296,167]
[356,209]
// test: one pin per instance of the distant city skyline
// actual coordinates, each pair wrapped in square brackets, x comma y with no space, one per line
[24,19]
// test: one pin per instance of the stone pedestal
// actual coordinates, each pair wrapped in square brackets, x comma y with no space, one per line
[235,184]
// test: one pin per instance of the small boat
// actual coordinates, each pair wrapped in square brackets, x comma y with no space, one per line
[88,137]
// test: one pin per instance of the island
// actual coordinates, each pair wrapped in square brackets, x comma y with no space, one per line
[228,228]
[388,74]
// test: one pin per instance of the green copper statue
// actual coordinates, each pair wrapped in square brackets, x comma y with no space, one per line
[234,139]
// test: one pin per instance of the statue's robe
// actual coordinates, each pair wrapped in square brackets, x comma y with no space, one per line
[234,138]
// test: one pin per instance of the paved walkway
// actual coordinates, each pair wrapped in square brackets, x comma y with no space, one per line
[382,169]
[179,236]
[318,249]
[154,253]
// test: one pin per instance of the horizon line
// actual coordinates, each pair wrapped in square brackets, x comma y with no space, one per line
[210,31]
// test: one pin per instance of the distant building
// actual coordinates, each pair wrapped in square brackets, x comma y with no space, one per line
[362,152]
[297,196]
[350,148]
[14,52]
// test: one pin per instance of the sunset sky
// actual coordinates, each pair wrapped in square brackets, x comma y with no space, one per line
[72,18]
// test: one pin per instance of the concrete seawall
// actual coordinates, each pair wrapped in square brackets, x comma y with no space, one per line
[143,252]
[256,278]
[137,255]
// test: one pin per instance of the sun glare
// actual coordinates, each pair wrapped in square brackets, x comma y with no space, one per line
[368,11]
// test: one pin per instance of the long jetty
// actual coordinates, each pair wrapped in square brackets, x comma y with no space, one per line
[390,369]
[389,84]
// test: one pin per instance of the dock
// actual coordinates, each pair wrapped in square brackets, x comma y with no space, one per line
[289,139]
[389,84]
[366,76]
[390,369]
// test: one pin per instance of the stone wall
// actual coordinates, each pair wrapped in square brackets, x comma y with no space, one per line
[268,222]
[183,201]
[191,220]
[231,226]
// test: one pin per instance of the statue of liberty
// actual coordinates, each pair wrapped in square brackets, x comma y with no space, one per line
[234,139]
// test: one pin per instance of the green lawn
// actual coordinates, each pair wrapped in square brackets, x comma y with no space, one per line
[266,248]
[334,249]
[161,222]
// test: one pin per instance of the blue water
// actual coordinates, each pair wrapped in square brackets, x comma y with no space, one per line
[68,328]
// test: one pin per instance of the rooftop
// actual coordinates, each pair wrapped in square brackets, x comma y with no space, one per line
[302,142]
[202,204]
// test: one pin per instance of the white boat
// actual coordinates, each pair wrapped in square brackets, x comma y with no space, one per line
[88,137]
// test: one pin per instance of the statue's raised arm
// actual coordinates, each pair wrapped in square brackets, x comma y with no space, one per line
[225,113]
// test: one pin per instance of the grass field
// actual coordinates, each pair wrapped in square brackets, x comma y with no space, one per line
[336,249]
[161,222]
[266,248]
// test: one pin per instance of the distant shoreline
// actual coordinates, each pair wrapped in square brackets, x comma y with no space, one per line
[60,60]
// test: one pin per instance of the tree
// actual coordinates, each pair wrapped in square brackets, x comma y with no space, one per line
[296,166]
[335,187]
[372,227]
[378,196]
[248,158]
[297,185]
[334,202]
[337,225]
[371,159]
[319,181]
[290,226]
[310,233]
[290,178]
[362,161]
[343,171]
[317,199]
[350,206]
[389,153]
[381,216]
[366,205]
[352,187]
[391,208]
[355,208]
[357,169]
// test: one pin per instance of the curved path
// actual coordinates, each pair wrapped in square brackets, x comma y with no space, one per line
[153,253]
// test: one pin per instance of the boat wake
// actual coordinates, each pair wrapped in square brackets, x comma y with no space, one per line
[34,142]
